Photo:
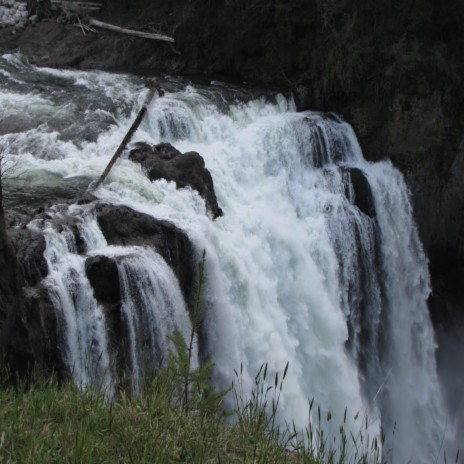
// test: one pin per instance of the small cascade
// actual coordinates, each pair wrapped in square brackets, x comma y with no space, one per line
[80,318]
[151,310]
[411,399]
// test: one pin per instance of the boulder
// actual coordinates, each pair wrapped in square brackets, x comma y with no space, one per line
[362,191]
[122,225]
[102,273]
[163,161]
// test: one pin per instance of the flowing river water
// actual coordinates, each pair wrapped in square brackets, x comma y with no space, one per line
[302,267]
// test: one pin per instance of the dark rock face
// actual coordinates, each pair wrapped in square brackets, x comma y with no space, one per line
[163,161]
[10,300]
[59,46]
[123,226]
[362,191]
[102,273]
[30,247]
[29,334]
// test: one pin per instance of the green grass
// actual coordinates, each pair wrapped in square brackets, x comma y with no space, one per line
[48,423]
[51,424]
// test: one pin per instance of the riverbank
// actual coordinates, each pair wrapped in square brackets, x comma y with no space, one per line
[55,45]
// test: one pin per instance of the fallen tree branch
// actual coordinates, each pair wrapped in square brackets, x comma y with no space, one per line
[87,28]
[153,88]
[80,24]
[145,35]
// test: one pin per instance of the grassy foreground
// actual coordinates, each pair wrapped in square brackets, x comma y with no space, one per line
[51,424]
[176,418]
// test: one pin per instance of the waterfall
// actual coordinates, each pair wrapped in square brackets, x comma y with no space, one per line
[80,318]
[152,308]
[316,261]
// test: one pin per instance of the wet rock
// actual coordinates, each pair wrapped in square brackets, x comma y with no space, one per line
[163,161]
[31,332]
[102,273]
[122,225]
[103,276]
[28,324]
[39,326]
[30,247]
[362,191]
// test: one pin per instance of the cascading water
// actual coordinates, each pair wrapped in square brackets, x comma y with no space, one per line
[152,308]
[80,318]
[316,260]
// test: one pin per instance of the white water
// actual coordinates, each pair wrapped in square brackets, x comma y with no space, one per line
[152,308]
[80,318]
[295,271]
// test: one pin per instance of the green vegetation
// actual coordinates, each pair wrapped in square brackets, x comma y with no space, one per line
[340,48]
[47,423]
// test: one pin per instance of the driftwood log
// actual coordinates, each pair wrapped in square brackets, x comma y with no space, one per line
[153,88]
[145,35]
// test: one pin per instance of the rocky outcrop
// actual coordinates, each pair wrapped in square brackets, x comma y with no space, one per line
[426,143]
[63,46]
[122,225]
[362,191]
[102,273]
[29,335]
[30,247]
[163,161]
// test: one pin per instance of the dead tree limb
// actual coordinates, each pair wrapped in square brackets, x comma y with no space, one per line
[152,89]
[145,35]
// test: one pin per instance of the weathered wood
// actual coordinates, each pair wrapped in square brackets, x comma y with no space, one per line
[145,35]
[86,28]
[80,24]
[153,88]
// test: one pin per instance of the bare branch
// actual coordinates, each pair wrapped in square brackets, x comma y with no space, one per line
[8,165]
